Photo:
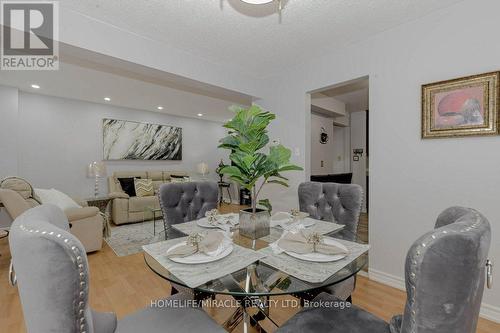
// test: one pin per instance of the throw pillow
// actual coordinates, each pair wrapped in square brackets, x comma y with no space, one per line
[178,179]
[57,198]
[128,185]
[144,187]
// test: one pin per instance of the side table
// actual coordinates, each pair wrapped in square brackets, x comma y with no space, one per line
[222,186]
[100,202]
[153,211]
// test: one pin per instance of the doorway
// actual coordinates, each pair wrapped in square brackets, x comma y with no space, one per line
[340,139]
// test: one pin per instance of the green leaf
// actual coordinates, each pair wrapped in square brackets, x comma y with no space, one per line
[276,181]
[267,204]
[290,167]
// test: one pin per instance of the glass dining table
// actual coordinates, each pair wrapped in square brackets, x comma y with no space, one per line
[254,285]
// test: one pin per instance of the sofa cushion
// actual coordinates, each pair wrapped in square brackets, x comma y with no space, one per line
[56,198]
[139,204]
[130,174]
[19,185]
[144,187]
[74,214]
[157,184]
[14,203]
[168,174]
[155,175]
[128,185]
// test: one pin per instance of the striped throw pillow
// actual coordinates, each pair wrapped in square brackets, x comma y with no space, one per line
[144,187]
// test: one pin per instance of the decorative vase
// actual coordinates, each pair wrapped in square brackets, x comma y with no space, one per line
[254,225]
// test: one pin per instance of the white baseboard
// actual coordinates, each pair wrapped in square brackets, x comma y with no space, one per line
[487,311]
[490,312]
[364,274]
[387,279]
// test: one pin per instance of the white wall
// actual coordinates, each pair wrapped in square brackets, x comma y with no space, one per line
[8,133]
[358,141]
[411,180]
[57,138]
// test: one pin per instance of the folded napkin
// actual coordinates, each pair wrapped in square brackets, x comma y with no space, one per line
[303,241]
[209,244]
[285,220]
[230,218]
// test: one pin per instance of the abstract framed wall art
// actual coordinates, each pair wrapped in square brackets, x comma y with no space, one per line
[130,140]
[466,106]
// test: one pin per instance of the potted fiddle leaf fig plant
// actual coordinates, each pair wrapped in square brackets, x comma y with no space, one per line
[252,168]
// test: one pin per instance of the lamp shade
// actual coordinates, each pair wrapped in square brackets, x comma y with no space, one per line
[97,169]
[202,168]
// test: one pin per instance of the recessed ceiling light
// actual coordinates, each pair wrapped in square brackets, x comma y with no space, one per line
[200,114]
[160,107]
[107,99]
[35,86]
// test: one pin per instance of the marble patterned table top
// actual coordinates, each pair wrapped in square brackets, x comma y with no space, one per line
[322,227]
[314,272]
[198,274]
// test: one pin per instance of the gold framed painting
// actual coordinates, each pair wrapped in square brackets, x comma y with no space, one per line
[467,106]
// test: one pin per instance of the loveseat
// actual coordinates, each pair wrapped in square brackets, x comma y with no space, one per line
[129,209]
[86,222]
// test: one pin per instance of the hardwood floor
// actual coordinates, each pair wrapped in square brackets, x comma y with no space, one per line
[125,285]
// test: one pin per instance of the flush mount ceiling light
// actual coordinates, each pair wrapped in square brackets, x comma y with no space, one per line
[35,86]
[257,2]
[107,99]
[263,2]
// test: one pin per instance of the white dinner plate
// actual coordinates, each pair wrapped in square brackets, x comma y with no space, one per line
[200,258]
[320,257]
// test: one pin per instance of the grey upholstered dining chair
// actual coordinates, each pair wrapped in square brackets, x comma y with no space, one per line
[184,202]
[53,281]
[445,277]
[340,203]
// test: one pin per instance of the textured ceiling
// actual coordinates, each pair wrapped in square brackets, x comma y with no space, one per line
[251,38]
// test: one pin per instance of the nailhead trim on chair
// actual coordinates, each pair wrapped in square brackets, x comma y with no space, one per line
[413,264]
[81,324]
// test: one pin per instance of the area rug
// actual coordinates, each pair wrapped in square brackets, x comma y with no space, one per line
[129,238]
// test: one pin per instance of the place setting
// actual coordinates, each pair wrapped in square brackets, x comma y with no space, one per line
[212,220]
[202,256]
[309,255]
[287,220]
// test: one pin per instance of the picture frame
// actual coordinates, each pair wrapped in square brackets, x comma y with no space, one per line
[133,140]
[466,106]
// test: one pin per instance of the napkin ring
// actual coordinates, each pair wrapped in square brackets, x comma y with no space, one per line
[315,239]
[212,215]
[195,240]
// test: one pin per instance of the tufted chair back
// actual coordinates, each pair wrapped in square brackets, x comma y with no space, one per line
[340,203]
[445,274]
[52,274]
[184,202]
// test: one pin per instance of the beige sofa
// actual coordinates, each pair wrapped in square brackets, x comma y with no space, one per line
[127,209]
[86,222]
